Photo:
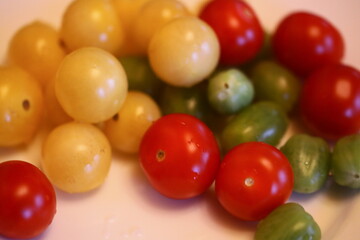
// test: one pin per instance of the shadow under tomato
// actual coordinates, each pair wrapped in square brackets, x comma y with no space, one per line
[305,197]
[225,219]
[153,197]
[70,197]
[330,189]
[340,193]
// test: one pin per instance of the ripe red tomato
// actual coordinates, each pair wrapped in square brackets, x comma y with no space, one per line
[180,156]
[253,179]
[304,42]
[330,101]
[27,200]
[237,27]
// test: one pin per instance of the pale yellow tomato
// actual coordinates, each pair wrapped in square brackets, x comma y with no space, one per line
[21,106]
[76,157]
[126,129]
[92,23]
[152,16]
[91,85]
[184,51]
[36,48]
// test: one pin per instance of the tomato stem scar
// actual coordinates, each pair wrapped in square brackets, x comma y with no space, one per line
[160,155]
[249,182]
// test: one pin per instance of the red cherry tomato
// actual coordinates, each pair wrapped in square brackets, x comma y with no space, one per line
[180,156]
[304,42]
[254,178]
[330,101]
[237,28]
[27,200]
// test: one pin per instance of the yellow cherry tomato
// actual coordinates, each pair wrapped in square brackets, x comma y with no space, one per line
[36,48]
[92,23]
[91,85]
[184,51]
[126,129]
[76,157]
[21,106]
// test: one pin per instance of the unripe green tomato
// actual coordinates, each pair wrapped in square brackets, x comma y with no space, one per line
[140,75]
[185,100]
[288,222]
[229,91]
[261,121]
[310,160]
[273,82]
[345,162]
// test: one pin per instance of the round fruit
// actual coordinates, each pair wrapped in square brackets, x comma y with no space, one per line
[184,51]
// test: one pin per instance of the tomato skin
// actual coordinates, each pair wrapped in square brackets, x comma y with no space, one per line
[179,156]
[288,221]
[310,160]
[27,200]
[253,179]
[261,121]
[191,101]
[237,27]
[329,102]
[304,42]
[345,161]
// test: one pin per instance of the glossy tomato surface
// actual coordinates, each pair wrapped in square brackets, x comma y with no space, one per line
[304,42]
[27,200]
[179,156]
[330,101]
[253,179]
[237,27]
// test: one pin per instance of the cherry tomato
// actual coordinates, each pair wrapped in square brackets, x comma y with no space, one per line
[27,200]
[253,179]
[330,101]
[304,42]
[237,27]
[180,156]
[289,221]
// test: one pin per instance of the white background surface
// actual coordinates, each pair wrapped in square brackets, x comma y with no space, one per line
[125,206]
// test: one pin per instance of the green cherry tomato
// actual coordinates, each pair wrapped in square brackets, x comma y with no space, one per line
[140,75]
[261,122]
[229,91]
[274,82]
[310,160]
[288,222]
[345,162]
[191,101]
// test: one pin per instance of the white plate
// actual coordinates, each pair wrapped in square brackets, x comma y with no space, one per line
[126,207]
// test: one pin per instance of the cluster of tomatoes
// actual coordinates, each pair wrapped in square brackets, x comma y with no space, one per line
[225,89]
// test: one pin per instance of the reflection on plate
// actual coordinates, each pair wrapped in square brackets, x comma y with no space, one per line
[126,207]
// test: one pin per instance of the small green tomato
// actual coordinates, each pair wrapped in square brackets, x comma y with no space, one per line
[140,75]
[288,222]
[229,91]
[273,82]
[345,162]
[310,160]
[261,122]
[185,100]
